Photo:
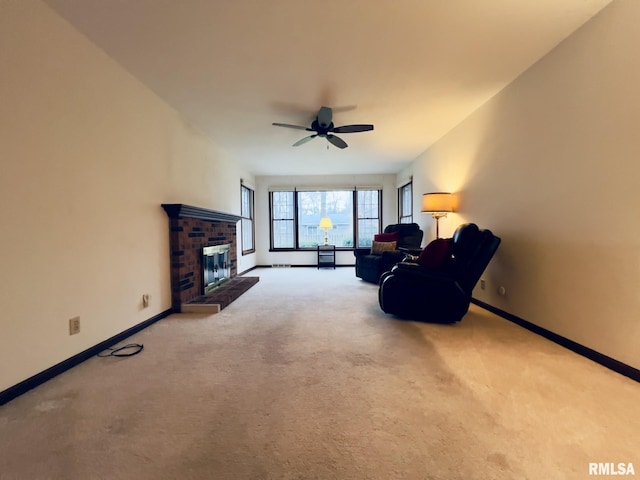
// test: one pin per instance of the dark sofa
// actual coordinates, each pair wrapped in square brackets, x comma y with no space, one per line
[370,266]
[442,294]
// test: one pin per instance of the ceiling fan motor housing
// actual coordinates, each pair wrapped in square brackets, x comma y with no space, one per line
[321,129]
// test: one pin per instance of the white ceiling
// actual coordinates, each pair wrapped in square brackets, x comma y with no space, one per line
[413,68]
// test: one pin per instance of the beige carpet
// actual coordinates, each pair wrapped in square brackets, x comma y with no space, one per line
[303,377]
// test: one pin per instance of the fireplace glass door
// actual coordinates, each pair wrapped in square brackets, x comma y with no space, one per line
[215,266]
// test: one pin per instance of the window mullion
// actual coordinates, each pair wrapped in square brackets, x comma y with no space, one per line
[356,233]
[296,240]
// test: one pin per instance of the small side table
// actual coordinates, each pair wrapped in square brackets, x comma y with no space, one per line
[327,256]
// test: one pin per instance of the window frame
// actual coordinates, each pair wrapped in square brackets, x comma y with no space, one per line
[247,217]
[292,220]
[402,216]
[296,240]
[356,218]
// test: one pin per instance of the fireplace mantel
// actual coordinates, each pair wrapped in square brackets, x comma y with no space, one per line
[180,210]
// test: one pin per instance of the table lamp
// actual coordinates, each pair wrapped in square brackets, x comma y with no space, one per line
[325,224]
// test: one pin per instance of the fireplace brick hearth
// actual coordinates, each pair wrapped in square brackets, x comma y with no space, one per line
[191,229]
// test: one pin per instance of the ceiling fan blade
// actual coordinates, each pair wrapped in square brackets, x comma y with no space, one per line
[324,117]
[353,128]
[337,141]
[304,140]
[298,127]
[344,108]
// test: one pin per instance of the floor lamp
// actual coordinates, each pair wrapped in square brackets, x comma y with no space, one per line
[438,204]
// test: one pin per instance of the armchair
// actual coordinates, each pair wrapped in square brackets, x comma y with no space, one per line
[440,294]
[370,266]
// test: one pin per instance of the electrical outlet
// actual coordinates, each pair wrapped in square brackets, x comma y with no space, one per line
[483,284]
[146,298]
[74,325]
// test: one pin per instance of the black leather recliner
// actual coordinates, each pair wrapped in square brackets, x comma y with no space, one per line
[370,267]
[440,295]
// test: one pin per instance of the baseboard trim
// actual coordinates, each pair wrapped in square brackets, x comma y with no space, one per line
[247,270]
[39,378]
[604,360]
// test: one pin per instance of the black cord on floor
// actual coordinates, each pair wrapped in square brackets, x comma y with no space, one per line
[134,348]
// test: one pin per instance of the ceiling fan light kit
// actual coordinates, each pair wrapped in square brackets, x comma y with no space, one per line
[323,127]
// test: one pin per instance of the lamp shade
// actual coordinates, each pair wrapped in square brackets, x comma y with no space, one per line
[437,202]
[325,222]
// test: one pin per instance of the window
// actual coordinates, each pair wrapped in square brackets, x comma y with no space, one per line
[246,212]
[295,218]
[282,220]
[368,202]
[337,205]
[405,203]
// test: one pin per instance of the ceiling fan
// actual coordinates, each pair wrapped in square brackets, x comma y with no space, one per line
[323,127]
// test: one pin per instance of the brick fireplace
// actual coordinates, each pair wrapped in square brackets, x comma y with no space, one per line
[190,230]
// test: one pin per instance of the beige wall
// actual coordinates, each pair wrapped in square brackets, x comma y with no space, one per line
[263,183]
[88,155]
[552,165]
